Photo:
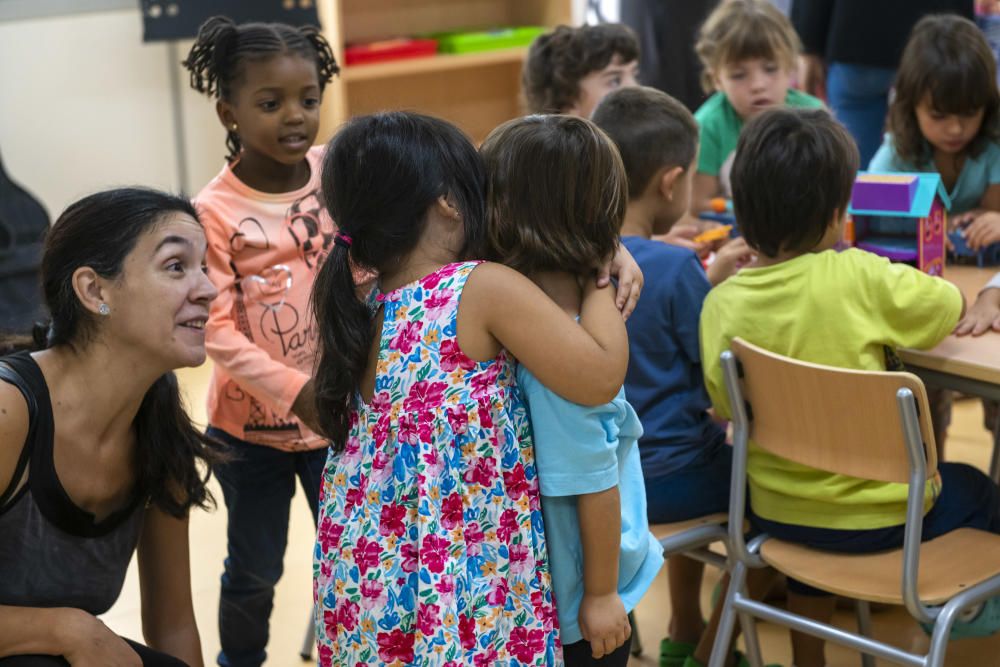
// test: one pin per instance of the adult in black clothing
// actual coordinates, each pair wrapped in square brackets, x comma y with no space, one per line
[97,455]
[667,31]
[851,52]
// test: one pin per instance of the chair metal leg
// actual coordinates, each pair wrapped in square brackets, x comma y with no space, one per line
[724,636]
[636,648]
[750,637]
[309,641]
[864,612]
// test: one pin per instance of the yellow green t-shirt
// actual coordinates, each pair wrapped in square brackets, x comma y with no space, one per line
[837,309]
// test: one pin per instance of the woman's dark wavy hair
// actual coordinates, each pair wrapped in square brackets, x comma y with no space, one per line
[381,175]
[100,231]
[222,48]
[556,194]
[948,59]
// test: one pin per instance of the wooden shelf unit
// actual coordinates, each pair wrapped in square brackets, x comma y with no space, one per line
[476,91]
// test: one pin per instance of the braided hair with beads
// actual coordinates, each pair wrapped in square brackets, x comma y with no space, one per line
[222,48]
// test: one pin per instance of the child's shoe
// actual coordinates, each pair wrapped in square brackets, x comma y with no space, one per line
[982,624]
[673,654]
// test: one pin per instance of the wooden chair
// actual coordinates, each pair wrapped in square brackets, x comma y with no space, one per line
[871,425]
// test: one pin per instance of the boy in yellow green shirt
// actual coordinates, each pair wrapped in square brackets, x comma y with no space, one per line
[792,180]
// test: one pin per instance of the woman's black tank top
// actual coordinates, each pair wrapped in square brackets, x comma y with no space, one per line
[52,553]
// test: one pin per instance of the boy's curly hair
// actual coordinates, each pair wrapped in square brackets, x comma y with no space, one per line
[559,59]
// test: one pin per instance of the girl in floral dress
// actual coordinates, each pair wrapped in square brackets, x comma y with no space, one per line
[431,548]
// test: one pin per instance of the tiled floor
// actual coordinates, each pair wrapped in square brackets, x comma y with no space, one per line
[968,442]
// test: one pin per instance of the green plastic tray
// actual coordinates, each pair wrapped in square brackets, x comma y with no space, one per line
[485,40]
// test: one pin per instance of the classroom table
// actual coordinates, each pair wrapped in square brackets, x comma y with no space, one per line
[966,364]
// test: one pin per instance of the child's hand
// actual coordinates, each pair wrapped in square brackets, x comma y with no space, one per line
[983,316]
[983,229]
[729,259]
[623,267]
[682,234]
[604,623]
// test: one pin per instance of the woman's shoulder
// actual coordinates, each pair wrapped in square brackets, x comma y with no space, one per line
[14,425]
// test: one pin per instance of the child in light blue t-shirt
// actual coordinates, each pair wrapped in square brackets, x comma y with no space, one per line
[556,197]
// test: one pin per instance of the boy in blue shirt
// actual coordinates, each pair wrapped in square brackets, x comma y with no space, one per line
[685,459]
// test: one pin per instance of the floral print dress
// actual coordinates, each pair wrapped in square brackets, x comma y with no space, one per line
[430,548]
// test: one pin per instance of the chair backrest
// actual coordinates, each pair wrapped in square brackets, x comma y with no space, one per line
[833,419]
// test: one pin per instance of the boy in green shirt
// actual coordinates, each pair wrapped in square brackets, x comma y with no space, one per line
[748,50]
[792,180]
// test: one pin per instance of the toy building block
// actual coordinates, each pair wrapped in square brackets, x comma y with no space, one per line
[901,216]
[721,205]
[715,234]
[885,192]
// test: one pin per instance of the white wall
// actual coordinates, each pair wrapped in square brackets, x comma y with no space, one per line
[85,105]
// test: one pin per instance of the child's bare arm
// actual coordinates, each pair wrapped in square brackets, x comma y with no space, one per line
[991,198]
[603,619]
[584,363]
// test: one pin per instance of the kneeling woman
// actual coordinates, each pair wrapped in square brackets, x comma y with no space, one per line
[97,455]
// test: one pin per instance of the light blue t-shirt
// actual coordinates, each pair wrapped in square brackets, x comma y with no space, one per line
[978,173]
[581,450]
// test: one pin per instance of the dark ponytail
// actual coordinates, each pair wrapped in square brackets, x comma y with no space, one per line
[381,174]
[222,47]
[99,232]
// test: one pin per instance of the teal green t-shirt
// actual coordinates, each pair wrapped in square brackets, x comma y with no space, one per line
[836,309]
[977,175]
[720,128]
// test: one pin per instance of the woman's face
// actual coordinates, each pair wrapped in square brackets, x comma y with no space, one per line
[159,304]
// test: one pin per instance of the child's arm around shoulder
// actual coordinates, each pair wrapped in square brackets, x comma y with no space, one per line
[584,363]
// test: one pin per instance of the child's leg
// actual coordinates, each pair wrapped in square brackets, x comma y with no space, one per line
[257,486]
[684,575]
[809,651]
[759,582]
[699,489]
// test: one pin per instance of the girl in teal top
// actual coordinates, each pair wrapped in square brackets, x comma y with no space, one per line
[945,119]
[748,50]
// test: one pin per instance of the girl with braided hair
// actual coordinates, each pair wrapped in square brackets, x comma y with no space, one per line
[267,237]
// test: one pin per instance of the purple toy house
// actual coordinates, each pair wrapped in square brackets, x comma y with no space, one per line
[902,217]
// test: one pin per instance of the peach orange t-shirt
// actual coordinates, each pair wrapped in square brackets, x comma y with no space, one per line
[264,251]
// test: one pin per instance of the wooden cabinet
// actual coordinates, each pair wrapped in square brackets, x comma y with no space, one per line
[475,91]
